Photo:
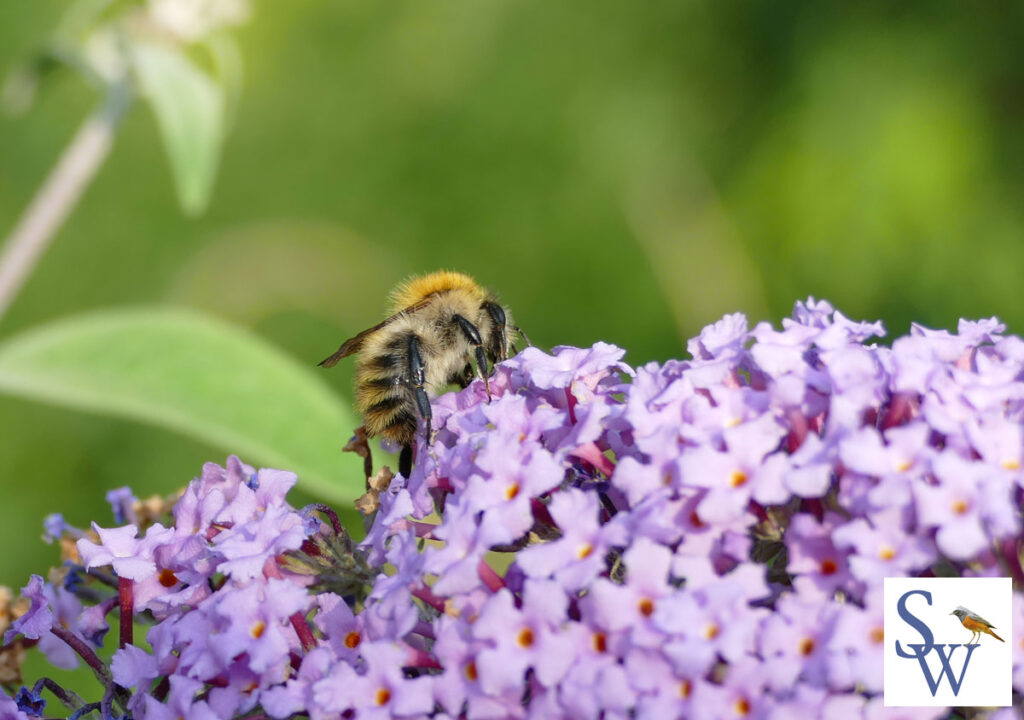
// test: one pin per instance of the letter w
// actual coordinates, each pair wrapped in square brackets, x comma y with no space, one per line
[947,670]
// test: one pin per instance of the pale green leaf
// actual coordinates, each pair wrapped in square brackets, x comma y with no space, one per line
[189,106]
[200,376]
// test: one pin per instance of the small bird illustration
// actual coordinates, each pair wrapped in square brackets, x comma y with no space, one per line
[975,623]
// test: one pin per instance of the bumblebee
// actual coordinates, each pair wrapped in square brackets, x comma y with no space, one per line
[441,325]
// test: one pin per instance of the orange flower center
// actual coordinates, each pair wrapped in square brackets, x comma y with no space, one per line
[600,641]
[511,491]
[738,478]
[646,607]
[167,578]
[258,629]
[887,552]
[470,670]
[525,637]
[960,506]
[711,631]
[829,566]
[806,646]
[584,551]
[685,688]
[742,707]
[877,635]
[352,640]
[383,695]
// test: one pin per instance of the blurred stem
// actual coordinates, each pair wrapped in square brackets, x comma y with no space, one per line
[58,196]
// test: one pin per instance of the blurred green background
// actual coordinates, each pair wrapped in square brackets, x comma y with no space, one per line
[616,171]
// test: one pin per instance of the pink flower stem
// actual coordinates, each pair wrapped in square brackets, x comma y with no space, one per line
[491,579]
[421,659]
[444,484]
[422,529]
[303,630]
[126,596]
[425,594]
[540,512]
[298,620]
[570,401]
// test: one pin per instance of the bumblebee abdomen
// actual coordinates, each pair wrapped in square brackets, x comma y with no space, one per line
[396,423]
[383,395]
[387,405]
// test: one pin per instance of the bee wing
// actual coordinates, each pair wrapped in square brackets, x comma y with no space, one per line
[351,345]
[354,344]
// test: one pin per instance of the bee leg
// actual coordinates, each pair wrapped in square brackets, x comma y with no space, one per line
[417,378]
[423,404]
[498,318]
[405,461]
[523,335]
[473,335]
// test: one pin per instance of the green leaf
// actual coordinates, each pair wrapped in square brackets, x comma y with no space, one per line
[190,107]
[204,378]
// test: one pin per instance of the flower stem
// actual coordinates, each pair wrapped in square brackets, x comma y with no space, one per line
[126,596]
[66,697]
[329,512]
[85,652]
[491,579]
[303,630]
[422,660]
[426,595]
[59,194]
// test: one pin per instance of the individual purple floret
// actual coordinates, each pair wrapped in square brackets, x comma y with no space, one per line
[122,502]
[39,618]
[703,538]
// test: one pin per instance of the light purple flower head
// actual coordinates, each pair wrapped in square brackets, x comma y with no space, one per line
[700,538]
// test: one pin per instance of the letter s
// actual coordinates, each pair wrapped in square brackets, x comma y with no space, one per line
[910,619]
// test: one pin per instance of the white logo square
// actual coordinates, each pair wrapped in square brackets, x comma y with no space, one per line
[942,642]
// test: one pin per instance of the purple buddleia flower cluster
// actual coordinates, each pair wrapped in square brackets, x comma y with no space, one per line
[702,539]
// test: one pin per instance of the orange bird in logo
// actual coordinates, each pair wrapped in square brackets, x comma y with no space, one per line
[975,623]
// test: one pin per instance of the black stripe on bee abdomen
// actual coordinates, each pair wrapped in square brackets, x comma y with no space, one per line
[388,362]
[389,405]
[401,425]
[393,416]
